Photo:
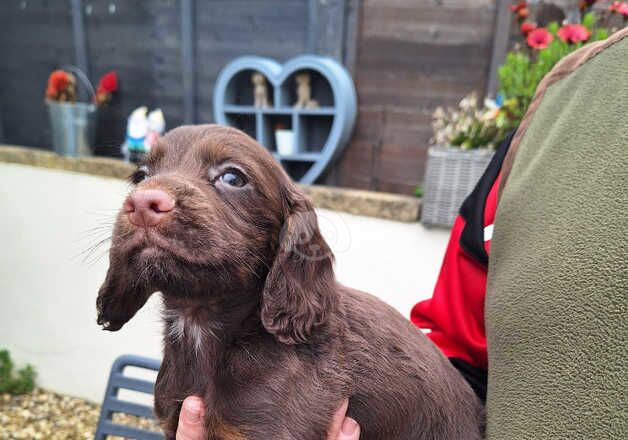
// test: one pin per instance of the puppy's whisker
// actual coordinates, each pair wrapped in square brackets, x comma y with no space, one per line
[87,253]
[97,258]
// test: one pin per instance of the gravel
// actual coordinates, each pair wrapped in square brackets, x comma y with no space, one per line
[51,416]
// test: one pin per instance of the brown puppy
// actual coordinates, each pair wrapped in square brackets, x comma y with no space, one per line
[250,302]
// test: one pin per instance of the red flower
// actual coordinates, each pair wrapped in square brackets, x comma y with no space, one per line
[106,86]
[58,81]
[518,7]
[521,9]
[573,33]
[108,82]
[539,38]
[527,27]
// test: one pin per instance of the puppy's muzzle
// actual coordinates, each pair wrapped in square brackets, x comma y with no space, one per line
[148,207]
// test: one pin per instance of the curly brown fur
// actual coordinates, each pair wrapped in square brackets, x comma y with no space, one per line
[254,320]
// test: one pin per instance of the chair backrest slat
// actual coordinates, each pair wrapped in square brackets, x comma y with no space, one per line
[111,428]
[113,404]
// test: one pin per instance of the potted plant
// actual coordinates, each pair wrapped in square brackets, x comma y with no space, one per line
[73,122]
[465,137]
[463,144]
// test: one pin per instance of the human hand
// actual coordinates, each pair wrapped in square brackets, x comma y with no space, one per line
[191,422]
[191,425]
[343,428]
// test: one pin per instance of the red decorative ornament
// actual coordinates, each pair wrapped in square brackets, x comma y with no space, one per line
[539,38]
[573,33]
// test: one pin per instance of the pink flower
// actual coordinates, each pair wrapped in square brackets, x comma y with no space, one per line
[620,8]
[573,33]
[539,38]
[527,27]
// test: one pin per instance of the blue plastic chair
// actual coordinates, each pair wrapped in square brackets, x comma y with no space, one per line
[112,404]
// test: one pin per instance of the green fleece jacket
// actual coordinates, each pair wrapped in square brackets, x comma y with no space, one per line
[557,298]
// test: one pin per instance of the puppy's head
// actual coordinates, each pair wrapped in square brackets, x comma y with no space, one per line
[214,218]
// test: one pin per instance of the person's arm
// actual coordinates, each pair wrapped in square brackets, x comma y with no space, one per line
[192,411]
[455,312]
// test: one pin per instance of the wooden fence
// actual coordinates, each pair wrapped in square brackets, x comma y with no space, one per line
[406,56]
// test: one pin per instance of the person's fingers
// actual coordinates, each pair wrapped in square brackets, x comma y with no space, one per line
[350,430]
[343,428]
[336,422]
[191,420]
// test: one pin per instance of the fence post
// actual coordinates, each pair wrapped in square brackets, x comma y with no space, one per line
[80,42]
[188,61]
[500,44]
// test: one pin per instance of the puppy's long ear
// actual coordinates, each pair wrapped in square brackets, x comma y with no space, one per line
[119,298]
[299,293]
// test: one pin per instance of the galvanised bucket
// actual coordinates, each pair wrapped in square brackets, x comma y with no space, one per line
[73,127]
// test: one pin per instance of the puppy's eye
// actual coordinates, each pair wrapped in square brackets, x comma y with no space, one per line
[233,178]
[139,175]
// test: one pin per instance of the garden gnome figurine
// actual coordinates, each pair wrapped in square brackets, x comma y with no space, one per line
[156,127]
[304,92]
[134,147]
[260,91]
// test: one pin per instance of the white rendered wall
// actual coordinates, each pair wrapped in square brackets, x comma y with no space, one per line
[48,293]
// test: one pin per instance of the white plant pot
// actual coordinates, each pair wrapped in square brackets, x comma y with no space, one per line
[284,139]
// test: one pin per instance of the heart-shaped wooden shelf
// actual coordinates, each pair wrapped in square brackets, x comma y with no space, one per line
[320,133]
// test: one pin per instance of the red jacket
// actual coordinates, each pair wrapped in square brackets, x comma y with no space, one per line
[455,313]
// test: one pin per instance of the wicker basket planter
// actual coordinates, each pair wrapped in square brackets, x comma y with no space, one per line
[450,176]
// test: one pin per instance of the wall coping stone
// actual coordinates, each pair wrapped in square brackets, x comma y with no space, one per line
[359,202]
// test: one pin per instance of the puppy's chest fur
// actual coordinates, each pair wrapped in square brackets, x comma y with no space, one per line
[240,382]
[189,331]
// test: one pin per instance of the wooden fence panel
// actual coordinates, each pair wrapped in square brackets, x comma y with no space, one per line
[407,58]
[412,56]
[26,60]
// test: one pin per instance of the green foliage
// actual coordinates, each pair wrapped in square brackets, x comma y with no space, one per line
[475,124]
[22,383]
[589,21]
[418,191]
[522,71]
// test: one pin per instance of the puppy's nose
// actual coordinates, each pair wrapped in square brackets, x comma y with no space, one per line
[148,207]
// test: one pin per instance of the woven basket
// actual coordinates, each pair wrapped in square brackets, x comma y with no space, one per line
[450,176]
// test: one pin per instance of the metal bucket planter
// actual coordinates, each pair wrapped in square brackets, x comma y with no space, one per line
[73,127]
[450,176]
[74,123]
